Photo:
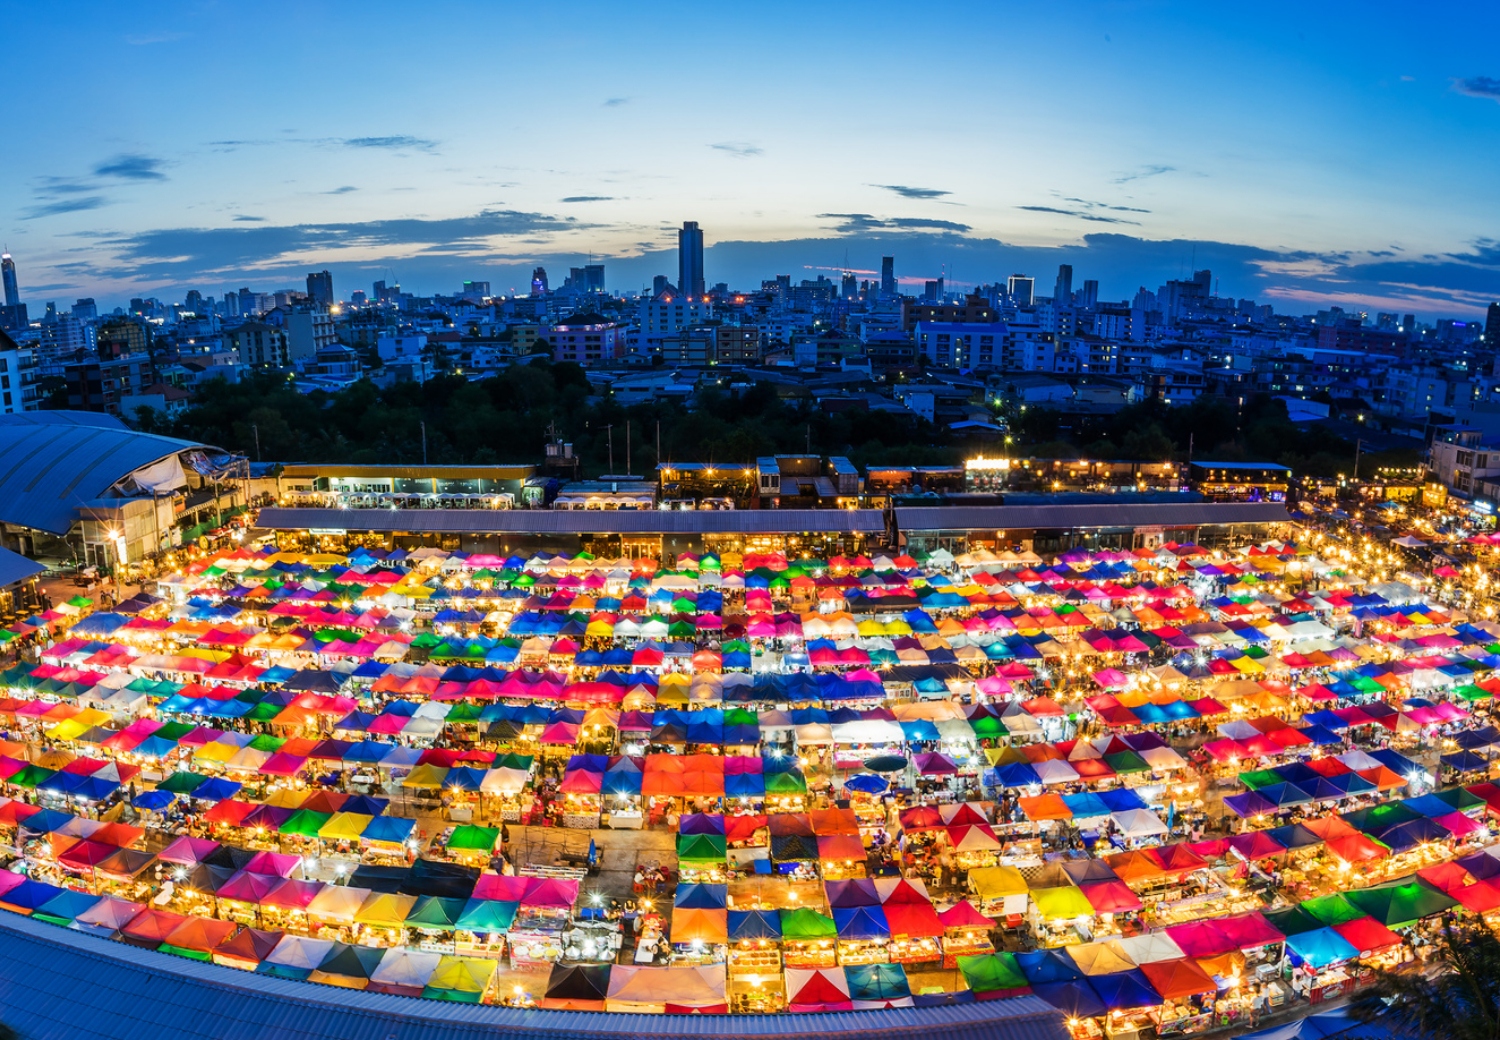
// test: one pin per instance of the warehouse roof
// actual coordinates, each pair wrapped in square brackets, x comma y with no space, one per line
[575,521]
[58,984]
[14,567]
[53,462]
[1127,515]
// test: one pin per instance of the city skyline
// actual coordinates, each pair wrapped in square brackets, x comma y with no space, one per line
[1309,158]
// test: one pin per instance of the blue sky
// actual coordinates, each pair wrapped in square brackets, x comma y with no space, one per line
[1308,153]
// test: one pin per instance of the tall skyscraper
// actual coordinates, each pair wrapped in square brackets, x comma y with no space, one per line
[8,272]
[539,282]
[320,288]
[1090,294]
[1022,289]
[1492,326]
[1062,292]
[690,259]
[888,277]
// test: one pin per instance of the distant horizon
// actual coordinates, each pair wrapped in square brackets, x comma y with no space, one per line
[1308,155]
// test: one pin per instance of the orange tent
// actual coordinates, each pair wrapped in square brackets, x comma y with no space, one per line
[1182,978]
[1045,807]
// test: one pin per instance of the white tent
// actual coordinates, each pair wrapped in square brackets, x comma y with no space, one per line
[1139,823]
[651,989]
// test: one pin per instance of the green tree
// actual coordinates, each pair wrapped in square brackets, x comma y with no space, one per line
[1458,998]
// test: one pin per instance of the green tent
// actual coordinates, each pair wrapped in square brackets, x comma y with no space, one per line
[30,776]
[487,915]
[435,912]
[265,742]
[181,782]
[173,731]
[802,923]
[1127,762]
[263,712]
[1460,798]
[1260,778]
[1399,905]
[515,761]
[988,972]
[1330,910]
[463,711]
[989,726]
[785,783]
[470,838]
[1294,920]
[701,848]
[305,823]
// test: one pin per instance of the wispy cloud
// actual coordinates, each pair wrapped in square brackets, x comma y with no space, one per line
[396,141]
[1092,204]
[1479,86]
[588,198]
[1097,218]
[738,149]
[851,223]
[242,219]
[1153,170]
[74,204]
[907,192]
[148,38]
[1486,253]
[345,190]
[132,167]
[209,252]
[616,102]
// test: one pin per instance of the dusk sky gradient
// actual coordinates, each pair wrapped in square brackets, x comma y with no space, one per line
[1309,153]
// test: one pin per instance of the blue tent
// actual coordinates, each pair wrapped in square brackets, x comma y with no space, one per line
[861,922]
[1328,1025]
[1321,947]
[1075,998]
[754,924]
[216,789]
[701,897]
[393,830]
[1043,966]
[154,801]
[1125,989]
[1085,805]
[877,982]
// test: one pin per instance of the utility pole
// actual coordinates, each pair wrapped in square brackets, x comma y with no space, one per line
[610,430]
[256,428]
[424,443]
[1358,444]
[658,442]
[627,446]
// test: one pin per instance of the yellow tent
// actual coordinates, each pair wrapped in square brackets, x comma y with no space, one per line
[385,910]
[1062,902]
[463,974]
[1101,958]
[425,777]
[345,826]
[997,882]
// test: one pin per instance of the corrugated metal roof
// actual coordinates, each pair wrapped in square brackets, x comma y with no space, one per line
[63,418]
[49,469]
[57,984]
[14,567]
[501,471]
[575,521]
[1075,517]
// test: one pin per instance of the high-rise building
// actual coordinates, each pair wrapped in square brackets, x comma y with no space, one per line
[690,259]
[85,309]
[1062,291]
[1492,326]
[320,288]
[1021,289]
[8,273]
[888,277]
[659,285]
[1090,298]
[849,288]
[539,282]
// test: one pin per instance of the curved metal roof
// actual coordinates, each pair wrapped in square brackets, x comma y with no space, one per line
[57,984]
[51,466]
